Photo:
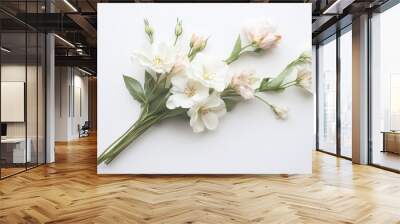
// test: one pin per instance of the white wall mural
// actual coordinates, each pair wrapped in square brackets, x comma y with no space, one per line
[204,89]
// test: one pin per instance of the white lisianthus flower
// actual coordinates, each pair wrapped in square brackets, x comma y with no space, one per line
[185,92]
[206,114]
[280,112]
[198,42]
[245,84]
[304,79]
[160,58]
[210,72]
[181,63]
[261,34]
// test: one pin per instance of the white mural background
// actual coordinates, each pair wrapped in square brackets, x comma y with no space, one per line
[249,139]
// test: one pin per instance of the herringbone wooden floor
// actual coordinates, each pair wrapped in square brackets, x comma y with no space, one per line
[70,191]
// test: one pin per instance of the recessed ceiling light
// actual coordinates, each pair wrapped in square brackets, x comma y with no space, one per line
[64,40]
[70,5]
[84,71]
[337,7]
[5,50]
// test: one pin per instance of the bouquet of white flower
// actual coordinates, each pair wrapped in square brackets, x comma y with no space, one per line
[200,87]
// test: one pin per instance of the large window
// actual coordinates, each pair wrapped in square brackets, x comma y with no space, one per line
[385,89]
[327,96]
[335,94]
[346,93]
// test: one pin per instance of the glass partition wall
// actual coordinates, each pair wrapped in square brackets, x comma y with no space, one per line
[385,90]
[22,77]
[346,93]
[334,105]
[327,95]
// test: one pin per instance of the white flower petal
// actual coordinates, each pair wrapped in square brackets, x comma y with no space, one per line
[210,120]
[209,71]
[201,94]
[246,93]
[219,86]
[221,110]
[170,103]
[179,83]
[142,58]
[196,124]
[280,112]
[160,58]
[180,100]
[213,101]
[261,32]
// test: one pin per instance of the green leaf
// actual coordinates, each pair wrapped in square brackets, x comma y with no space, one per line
[275,83]
[264,83]
[231,101]
[135,89]
[237,48]
[265,86]
[158,104]
[159,91]
[149,83]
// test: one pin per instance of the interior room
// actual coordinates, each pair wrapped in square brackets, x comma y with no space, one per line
[147,111]
[72,103]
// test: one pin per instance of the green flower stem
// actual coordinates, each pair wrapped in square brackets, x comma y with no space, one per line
[192,54]
[277,83]
[119,140]
[289,84]
[145,121]
[263,100]
[176,40]
[190,51]
[246,46]
[132,135]
[230,59]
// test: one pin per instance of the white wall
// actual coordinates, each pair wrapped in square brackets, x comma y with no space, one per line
[79,117]
[249,139]
[33,127]
[17,72]
[67,115]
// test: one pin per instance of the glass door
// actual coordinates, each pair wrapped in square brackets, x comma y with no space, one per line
[14,153]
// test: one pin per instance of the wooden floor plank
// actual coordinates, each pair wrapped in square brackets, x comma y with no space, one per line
[70,191]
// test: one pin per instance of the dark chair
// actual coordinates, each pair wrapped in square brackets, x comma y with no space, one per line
[84,130]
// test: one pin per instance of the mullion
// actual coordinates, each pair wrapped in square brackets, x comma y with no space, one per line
[338,93]
[0,95]
[37,90]
[26,87]
[317,96]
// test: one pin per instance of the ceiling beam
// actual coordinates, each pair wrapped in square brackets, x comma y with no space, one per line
[83,61]
[86,27]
